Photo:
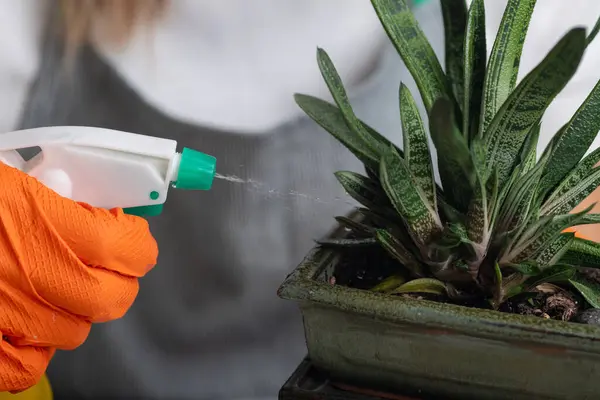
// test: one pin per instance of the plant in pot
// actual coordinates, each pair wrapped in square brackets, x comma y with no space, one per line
[470,287]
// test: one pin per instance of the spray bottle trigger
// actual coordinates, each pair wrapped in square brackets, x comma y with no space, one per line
[145,211]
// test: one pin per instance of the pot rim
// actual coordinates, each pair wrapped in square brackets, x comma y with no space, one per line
[303,286]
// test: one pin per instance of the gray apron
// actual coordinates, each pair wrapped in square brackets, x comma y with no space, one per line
[207,323]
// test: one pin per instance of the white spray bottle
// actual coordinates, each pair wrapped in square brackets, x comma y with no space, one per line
[108,168]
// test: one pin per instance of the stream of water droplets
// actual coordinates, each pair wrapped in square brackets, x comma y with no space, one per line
[260,187]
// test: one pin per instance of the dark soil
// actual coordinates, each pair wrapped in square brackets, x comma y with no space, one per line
[592,273]
[363,268]
[360,268]
[562,305]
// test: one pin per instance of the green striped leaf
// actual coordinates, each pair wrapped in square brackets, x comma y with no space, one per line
[552,253]
[528,157]
[521,203]
[588,289]
[336,88]
[525,106]
[361,189]
[416,146]
[554,274]
[478,219]
[414,49]
[398,251]
[525,234]
[493,194]
[422,285]
[455,165]
[452,237]
[330,118]
[590,219]
[375,216]
[516,206]
[354,226]
[503,193]
[503,67]
[574,178]
[454,13]
[573,140]
[526,268]
[582,253]
[532,242]
[474,68]
[459,231]
[568,201]
[407,198]
[498,292]
[380,138]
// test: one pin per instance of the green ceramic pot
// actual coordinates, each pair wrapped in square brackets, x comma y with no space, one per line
[392,343]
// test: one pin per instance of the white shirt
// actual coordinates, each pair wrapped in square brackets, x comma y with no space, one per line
[228,65]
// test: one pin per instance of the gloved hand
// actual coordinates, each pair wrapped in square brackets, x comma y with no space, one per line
[63,266]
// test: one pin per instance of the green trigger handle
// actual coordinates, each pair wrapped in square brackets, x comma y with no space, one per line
[145,211]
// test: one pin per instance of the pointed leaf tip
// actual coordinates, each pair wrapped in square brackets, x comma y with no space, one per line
[415,50]
[373,142]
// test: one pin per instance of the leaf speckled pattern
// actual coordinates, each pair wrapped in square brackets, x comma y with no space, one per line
[574,196]
[503,68]
[407,198]
[529,247]
[416,146]
[584,253]
[552,252]
[361,188]
[527,103]
[495,225]
[573,183]
[414,48]
[398,251]
[474,68]
[454,13]
[574,139]
[478,217]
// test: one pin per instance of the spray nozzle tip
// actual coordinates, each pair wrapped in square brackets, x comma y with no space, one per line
[196,170]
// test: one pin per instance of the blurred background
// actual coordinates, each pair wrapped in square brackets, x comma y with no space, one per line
[219,76]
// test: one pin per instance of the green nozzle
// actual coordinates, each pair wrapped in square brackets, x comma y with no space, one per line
[196,170]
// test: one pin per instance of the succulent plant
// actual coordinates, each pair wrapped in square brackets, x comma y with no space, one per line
[497,224]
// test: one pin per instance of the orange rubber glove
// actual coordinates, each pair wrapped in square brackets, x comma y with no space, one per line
[63,266]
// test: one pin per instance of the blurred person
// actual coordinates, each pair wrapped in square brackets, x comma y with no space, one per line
[219,76]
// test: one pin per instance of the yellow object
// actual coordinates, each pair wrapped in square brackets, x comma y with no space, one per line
[41,391]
